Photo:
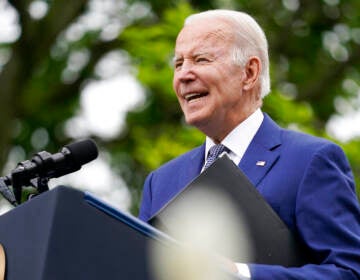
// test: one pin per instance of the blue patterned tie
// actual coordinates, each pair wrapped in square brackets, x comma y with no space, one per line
[213,154]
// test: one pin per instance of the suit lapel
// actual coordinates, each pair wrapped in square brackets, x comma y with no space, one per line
[191,169]
[259,158]
[263,151]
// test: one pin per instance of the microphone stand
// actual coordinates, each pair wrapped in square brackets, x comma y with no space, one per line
[6,191]
[20,178]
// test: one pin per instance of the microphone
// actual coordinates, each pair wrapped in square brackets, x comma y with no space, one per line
[44,165]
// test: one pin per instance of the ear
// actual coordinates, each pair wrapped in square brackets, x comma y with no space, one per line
[252,71]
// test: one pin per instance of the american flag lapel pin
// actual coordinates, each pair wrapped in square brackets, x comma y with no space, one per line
[261,163]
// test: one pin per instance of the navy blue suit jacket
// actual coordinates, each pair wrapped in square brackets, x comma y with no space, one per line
[307,181]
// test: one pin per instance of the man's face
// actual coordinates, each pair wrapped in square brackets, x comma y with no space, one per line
[207,83]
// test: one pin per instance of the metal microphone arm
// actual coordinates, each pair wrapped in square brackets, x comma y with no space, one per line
[6,191]
[23,176]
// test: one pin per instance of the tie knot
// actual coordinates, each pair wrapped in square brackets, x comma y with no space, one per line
[216,150]
[214,153]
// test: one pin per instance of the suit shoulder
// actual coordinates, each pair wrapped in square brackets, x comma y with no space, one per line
[306,142]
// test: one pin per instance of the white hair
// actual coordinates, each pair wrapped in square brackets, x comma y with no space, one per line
[250,40]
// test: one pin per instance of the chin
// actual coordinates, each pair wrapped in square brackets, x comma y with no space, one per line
[193,120]
[199,123]
[199,117]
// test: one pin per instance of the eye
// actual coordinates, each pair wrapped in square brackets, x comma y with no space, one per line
[178,64]
[202,59]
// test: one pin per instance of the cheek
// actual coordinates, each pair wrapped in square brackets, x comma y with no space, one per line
[177,80]
[223,76]
[233,82]
[175,85]
[174,82]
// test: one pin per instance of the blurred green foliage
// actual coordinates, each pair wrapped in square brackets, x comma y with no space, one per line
[314,51]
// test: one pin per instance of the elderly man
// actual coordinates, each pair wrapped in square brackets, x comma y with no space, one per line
[221,75]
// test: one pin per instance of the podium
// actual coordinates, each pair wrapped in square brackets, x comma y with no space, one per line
[66,234]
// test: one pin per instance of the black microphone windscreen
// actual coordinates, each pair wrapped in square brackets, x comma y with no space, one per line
[83,151]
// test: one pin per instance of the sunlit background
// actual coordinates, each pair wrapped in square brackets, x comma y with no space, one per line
[102,108]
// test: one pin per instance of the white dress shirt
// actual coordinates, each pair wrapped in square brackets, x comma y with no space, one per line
[237,141]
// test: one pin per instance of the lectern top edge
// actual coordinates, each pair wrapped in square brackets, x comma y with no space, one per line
[126,218]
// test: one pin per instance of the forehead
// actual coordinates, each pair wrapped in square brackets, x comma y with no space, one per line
[203,35]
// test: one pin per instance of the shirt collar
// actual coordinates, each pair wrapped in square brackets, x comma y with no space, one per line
[240,137]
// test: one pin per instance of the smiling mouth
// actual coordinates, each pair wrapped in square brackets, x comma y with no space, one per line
[193,96]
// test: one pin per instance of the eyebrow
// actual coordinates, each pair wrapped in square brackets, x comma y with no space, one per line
[180,58]
[176,58]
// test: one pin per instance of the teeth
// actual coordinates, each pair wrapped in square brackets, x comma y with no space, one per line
[192,96]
